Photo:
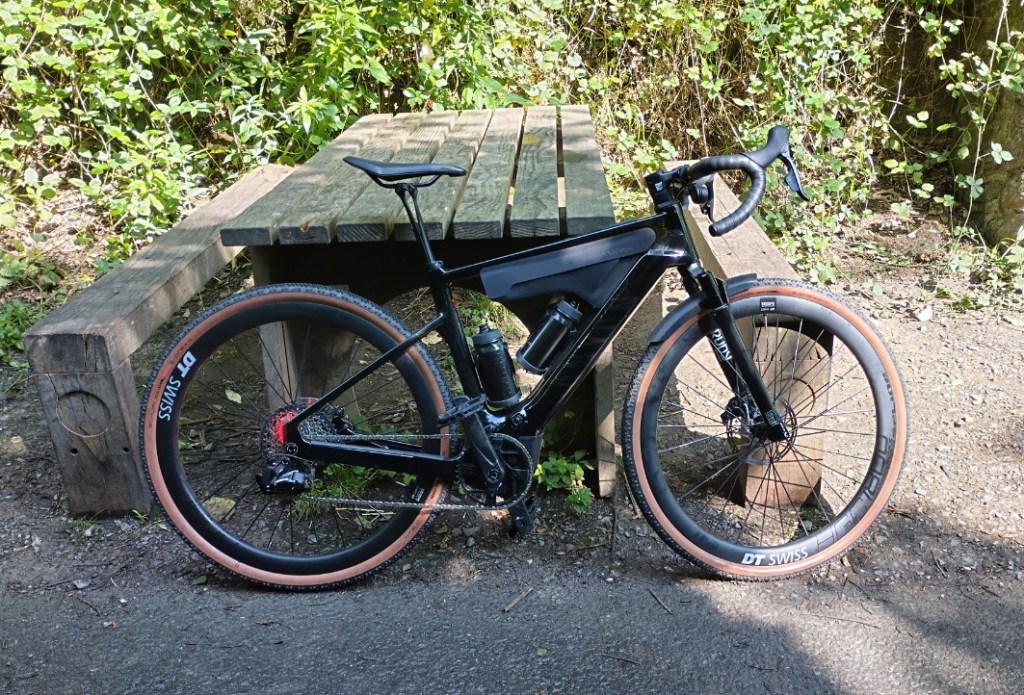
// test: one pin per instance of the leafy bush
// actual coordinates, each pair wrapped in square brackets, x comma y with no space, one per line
[144,104]
[565,472]
[15,318]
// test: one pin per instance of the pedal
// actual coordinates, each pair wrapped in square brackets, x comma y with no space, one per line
[523,516]
[463,407]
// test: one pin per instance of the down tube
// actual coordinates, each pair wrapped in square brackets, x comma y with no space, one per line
[564,377]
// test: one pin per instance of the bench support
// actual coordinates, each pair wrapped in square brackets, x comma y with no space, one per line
[81,353]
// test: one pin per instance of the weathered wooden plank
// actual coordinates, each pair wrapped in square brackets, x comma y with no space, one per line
[588,203]
[745,249]
[603,377]
[372,215]
[93,420]
[438,202]
[314,218]
[104,324]
[482,210]
[260,223]
[535,200]
[785,354]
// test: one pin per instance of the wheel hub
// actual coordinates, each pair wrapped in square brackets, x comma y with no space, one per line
[282,474]
[742,419]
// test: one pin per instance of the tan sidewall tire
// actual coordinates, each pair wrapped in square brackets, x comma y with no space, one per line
[180,522]
[842,544]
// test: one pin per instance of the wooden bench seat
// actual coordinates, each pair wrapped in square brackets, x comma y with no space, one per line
[81,353]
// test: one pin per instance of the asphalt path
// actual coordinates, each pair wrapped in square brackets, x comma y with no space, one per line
[597,627]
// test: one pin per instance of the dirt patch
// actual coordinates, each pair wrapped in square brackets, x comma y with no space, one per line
[955,517]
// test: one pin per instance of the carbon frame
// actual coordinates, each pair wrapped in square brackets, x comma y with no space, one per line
[673,248]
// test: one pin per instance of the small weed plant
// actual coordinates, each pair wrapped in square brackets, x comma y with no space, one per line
[561,471]
[16,317]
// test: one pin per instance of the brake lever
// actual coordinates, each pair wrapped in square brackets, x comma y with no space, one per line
[708,206]
[792,175]
[702,191]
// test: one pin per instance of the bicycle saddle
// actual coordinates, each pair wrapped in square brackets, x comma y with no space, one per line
[393,171]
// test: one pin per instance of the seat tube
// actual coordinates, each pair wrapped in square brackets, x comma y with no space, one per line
[441,292]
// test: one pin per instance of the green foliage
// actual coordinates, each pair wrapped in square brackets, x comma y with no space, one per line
[974,78]
[565,472]
[82,101]
[562,470]
[21,268]
[476,309]
[141,104]
[687,79]
[145,105]
[997,271]
[15,318]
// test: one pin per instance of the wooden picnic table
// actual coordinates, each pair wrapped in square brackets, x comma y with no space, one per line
[534,174]
[325,222]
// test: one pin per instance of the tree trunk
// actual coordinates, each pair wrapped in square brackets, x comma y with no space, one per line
[999,212]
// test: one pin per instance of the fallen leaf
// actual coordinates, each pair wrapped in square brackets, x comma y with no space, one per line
[220,508]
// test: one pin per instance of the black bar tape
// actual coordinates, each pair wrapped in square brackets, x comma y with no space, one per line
[753,197]
[732,162]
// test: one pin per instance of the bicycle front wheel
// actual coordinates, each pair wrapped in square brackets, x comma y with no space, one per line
[718,492]
[214,448]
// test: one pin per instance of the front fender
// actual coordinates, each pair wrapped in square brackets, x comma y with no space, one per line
[688,309]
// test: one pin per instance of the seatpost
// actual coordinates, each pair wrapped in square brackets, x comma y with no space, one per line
[405,192]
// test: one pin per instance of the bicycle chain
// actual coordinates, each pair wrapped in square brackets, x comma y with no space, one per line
[443,506]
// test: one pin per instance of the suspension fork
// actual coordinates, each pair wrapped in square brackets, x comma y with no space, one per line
[733,357]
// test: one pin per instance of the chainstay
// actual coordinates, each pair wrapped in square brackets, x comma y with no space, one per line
[443,506]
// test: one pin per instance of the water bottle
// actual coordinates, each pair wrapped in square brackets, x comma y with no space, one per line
[548,336]
[494,365]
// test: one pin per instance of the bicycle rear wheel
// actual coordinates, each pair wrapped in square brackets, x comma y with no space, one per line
[740,505]
[212,429]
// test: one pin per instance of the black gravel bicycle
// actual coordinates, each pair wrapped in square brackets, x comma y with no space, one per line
[301,436]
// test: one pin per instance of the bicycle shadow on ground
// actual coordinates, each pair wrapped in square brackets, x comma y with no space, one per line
[917,607]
